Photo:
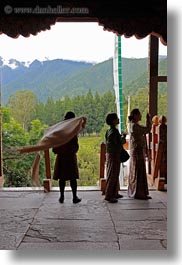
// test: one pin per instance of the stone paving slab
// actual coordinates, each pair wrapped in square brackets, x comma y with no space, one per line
[17,210]
[21,200]
[142,244]
[72,231]
[139,215]
[96,246]
[13,226]
[142,229]
[34,219]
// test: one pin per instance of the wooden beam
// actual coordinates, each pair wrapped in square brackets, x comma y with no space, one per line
[162,78]
[159,78]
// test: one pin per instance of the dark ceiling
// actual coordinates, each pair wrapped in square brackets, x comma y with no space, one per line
[124,17]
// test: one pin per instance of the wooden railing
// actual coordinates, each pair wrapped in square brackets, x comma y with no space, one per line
[158,175]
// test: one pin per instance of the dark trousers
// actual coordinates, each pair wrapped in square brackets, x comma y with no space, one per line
[73,184]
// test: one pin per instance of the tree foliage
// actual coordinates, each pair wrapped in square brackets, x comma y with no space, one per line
[22,105]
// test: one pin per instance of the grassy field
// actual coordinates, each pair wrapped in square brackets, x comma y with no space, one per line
[90,141]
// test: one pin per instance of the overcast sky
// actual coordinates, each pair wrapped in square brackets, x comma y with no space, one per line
[74,41]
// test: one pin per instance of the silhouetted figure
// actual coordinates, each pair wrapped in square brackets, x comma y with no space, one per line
[113,148]
[66,167]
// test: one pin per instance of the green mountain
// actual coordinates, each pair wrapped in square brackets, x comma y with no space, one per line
[133,86]
[39,77]
[58,78]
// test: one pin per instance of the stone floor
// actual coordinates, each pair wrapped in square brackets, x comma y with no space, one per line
[36,220]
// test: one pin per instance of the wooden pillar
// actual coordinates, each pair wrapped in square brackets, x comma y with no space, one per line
[47,164]
[153,74]
[153,81]
[47,181]
[102,159]
[102,167]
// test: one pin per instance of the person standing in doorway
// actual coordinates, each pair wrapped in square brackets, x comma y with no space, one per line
[137,180]
[66,167]
[113,148]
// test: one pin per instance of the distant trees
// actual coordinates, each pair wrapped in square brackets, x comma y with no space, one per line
[22,104]
[24,107]
[94,107]
[140,100]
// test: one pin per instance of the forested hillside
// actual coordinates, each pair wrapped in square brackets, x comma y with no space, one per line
[133,86]
[39,77]
[59,78]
